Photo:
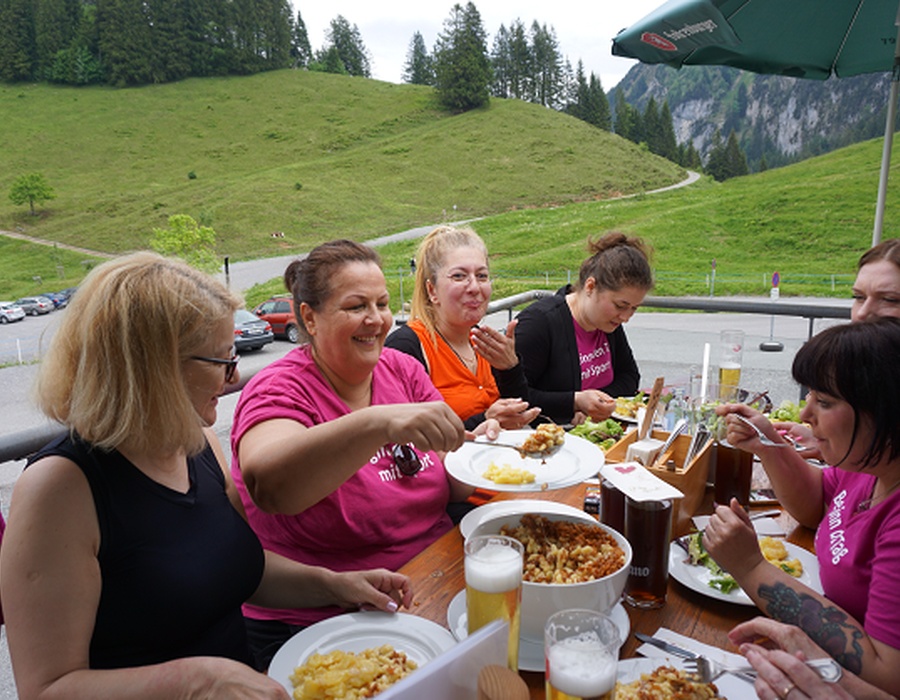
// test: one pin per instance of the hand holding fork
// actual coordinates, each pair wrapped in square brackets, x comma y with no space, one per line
[710,669]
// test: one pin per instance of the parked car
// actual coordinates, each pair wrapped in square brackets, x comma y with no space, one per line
[35,305]
[10,312]
[60,299]
[250,332]
[279,311]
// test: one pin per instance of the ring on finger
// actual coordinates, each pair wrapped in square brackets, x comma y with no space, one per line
[787,690]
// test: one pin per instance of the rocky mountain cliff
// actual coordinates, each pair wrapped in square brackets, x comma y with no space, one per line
[781,119]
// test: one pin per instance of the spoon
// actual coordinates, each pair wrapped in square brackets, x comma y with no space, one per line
[522,451]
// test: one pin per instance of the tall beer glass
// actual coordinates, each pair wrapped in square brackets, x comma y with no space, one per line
[493,565]
[581,650]
[731,345]
[648,528]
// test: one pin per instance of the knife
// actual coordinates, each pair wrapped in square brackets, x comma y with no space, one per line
[665,646]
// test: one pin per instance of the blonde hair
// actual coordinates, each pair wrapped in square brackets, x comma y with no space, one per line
[113,372]
[431,256]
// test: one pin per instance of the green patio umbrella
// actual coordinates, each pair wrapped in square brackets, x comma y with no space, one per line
[814,39]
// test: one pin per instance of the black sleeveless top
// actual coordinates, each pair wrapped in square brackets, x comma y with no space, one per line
[175,567]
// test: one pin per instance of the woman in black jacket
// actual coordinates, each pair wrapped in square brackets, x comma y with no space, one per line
[572,345]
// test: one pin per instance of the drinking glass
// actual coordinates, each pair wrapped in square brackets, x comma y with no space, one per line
[731,348]
[648,529]
[612,506]
[733,474]
[581,650]
[493,570]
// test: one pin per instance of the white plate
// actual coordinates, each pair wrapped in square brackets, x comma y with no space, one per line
[578,459]
[624,419]
[476,516]
[420,639]
[531,653]
[697,577]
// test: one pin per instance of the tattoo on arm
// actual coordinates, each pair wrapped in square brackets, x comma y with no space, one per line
[829,627]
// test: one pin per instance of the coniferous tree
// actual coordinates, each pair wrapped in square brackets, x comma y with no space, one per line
[668,145]
[418,69]
[598,105]
[55,26]
[125,41]
[578,105]
[461,66]
[628,120]
[652,127]
[302,51]
[501,63]
[716,165]
[349,45]
[171,58]
[567,94]
[18,52]
[546,67]
[275,33]
[520,62]
[692,158]
[244,30]
[735,159]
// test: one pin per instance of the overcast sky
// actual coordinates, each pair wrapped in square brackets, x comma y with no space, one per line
[584,30]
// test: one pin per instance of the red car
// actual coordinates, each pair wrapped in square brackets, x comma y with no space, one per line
[279,311]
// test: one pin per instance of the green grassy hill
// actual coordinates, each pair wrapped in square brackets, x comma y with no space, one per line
[319,156]
[312,155]
[809,221]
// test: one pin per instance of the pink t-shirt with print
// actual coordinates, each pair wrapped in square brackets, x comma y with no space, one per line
[859,552]
[378,517]
[594,358]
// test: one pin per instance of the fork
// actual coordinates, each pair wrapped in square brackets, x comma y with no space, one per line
[763,438]
[709,669]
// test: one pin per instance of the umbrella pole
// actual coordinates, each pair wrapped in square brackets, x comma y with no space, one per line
[888,140]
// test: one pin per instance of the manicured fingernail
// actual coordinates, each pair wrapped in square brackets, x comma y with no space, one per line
[392,606]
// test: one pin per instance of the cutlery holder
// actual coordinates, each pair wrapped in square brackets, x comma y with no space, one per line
[690,479]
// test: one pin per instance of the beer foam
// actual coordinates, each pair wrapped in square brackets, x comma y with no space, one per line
[581,666]
[496,568]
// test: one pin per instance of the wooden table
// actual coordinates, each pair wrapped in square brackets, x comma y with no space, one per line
[437,576]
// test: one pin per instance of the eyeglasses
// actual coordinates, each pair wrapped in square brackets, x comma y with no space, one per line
[230,364]
[464,277]
[406,459]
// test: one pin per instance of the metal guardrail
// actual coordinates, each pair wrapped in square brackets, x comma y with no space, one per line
[24,443]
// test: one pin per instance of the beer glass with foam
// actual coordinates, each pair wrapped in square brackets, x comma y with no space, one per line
[731,344]
[493,566]
[581,651]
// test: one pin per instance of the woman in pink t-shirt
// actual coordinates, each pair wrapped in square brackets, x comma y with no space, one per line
[854,416]
[337,447]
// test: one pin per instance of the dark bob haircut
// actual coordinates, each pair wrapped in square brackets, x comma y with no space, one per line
[860,364]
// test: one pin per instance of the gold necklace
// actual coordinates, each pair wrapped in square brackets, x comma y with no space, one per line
[471,365]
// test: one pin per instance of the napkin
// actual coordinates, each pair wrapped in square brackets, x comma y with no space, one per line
[730,687]
[763,526]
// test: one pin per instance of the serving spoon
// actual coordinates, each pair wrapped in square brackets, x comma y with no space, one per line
[522,451]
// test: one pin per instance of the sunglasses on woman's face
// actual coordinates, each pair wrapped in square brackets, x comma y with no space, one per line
[406,459]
